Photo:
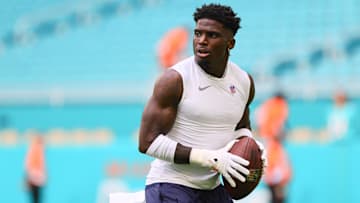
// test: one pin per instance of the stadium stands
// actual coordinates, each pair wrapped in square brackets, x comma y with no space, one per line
[90,43]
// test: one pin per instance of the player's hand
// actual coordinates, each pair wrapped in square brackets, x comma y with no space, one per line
[263,151]
[227,164]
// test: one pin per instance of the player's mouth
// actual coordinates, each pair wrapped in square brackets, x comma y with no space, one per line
[202,53]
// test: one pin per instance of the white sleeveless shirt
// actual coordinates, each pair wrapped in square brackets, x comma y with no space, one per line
[208,113]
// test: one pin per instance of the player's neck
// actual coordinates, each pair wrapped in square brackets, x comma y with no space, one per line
[215,69]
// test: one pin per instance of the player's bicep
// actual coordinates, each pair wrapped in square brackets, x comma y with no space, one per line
[156,119]
[160,112]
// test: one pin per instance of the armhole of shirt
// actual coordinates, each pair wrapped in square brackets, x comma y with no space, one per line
[181,73]
[249,89]
[243,75]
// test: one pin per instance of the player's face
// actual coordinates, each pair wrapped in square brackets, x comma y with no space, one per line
[211,42]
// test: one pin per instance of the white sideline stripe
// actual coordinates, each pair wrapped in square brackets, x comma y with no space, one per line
[76,93]
[128,197]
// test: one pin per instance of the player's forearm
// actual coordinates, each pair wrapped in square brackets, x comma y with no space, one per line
[167,149]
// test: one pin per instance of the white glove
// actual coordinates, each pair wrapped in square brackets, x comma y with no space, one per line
[222,161]
[263,153]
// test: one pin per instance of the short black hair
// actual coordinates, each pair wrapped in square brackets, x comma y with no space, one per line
[223,14]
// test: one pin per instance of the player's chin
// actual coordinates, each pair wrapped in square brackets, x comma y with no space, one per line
[201,60]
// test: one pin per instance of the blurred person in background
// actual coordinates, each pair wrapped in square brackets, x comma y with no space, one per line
[35,168]
[171,47]
[113,182]
[271,119]
[341,118]
[199,107]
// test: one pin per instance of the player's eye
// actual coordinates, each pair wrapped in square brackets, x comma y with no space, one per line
[213,35]
[197,33]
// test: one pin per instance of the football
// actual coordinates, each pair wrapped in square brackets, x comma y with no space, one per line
[246,148]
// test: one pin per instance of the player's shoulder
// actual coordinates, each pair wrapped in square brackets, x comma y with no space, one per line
[238,71]
[183,64]
[168,86]
[170,76]
[184,67]
[244,79]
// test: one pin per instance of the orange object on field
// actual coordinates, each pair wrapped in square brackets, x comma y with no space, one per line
[278,170]
[35,162]
[171,46]
[272,116]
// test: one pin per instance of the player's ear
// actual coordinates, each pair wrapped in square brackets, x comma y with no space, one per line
[231,43]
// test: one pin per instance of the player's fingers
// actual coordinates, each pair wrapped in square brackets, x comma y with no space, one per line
[264,158]
[240,168]
[239,160]
[229,179]
[261,146]
[264,162]
[234,173]
[263,154]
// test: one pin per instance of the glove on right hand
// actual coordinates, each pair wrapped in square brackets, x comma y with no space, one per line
[229,165]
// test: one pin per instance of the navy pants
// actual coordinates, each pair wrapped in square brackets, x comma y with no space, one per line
[174,193]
